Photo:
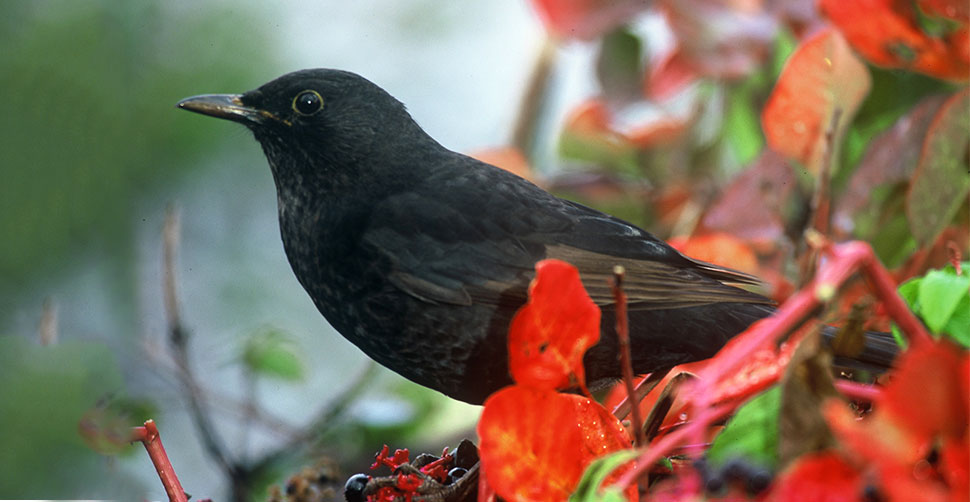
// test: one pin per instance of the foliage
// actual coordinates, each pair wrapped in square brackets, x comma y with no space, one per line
[851,145]
[942,300]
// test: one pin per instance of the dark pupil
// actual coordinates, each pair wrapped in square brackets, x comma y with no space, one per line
[308,103]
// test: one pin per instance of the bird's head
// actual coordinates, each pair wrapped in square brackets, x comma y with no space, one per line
[322,119]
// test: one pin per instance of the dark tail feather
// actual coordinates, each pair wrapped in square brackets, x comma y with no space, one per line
[874,352]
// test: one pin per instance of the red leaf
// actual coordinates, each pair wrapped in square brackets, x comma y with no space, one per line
[940,183]
[751,207]
[890,158]
[955,465]
[670,75]
[821,77]
[887,33]
[535,443]
[820,477]
[928,394]
[720,39]
[718,248]
[549,335]
[585,19]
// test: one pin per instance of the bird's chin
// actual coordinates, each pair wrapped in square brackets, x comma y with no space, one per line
[223,106]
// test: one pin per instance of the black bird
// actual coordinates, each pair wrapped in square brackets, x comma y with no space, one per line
[420,256]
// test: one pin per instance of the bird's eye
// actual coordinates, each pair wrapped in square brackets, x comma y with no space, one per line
[307,103]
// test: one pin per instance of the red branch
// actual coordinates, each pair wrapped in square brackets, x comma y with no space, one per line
[845,260]
[148,435]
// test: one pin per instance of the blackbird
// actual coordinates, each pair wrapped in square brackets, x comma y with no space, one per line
[420,256]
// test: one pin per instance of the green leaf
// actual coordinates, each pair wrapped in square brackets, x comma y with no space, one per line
[941,181]
[752,434]
[273,353]
[742,127]
[589,490]
[940,291]
[958,327]
[619,65]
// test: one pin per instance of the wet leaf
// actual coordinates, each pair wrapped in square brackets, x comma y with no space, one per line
[821,78]
[550,334]
[535,443]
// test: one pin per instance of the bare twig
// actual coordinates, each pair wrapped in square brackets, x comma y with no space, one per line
[821,199]
[313,434]
[47,330]
[626,364]
[642,389]
[178,338]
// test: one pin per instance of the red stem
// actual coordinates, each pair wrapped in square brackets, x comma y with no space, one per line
[626,364]
[669,441]
[858,391]
[846,259]
[148,435]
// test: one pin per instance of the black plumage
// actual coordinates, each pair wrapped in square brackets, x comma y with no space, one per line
[420,256]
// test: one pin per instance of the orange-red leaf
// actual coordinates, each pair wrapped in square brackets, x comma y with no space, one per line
[928,395]
[718,248]
[887,33]
[550,334]
[821,78]
[535,443]
[821,476]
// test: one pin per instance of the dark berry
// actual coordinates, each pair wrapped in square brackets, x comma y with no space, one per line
[758,481]
[714,483]
[456,473]
[354,489]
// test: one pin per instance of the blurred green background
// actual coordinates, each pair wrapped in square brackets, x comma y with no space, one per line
[92,151]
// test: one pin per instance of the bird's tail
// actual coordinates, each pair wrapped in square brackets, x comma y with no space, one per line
[871,351]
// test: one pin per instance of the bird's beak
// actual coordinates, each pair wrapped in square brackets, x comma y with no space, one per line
[223,106]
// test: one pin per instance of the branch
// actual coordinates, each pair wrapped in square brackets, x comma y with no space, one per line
[178,338]
[626,364]
[148,435]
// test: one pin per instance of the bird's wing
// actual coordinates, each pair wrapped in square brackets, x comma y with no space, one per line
[450,241]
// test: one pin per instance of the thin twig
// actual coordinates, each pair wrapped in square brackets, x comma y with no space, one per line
[47,330]
[626,363]
[643,388]
[313,434]
[178,338]
[821,198]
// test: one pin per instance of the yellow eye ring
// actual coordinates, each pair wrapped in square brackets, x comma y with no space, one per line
[307,102]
